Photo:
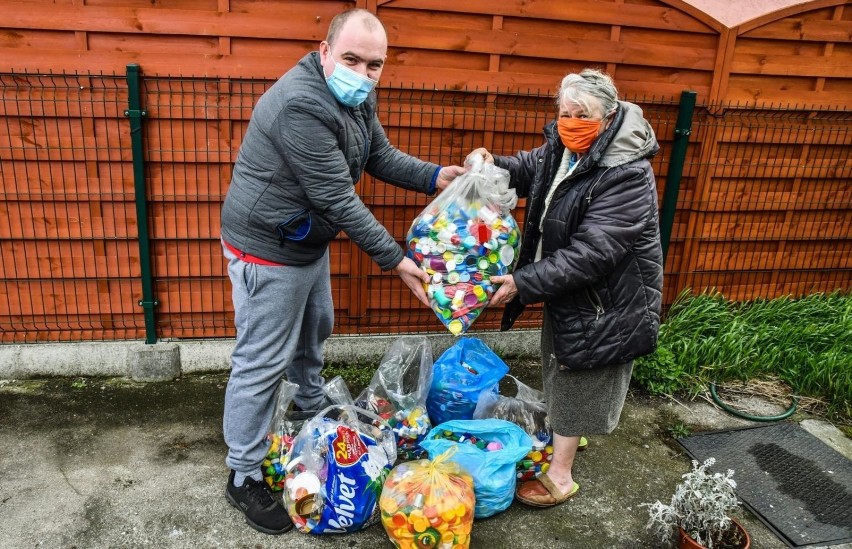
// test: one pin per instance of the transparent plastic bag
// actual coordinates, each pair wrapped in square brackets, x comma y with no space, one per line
[337,391]
[428,503]
[282,431]
[336,468]
[397,393]
[527,410]
[464,237]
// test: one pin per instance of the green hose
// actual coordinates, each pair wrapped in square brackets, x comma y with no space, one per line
[785,415]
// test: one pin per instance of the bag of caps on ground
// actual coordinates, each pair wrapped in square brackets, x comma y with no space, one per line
[488,449]
[464,237]
[282,431]
[397,393]
[465,370]
[338,463]
[528,411]
[428,503]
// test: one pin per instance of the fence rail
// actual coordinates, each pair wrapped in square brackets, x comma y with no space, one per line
[761,203]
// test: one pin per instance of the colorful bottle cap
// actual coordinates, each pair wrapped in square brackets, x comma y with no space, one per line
[507,255]
[437,264]
[441,298]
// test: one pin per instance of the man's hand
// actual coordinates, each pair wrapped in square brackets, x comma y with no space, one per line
[414,277]
[506,292]
[489,159]
[448,174]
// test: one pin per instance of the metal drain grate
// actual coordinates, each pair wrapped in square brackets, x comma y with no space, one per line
[792,481]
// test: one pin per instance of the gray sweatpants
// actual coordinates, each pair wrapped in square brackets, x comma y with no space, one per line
[283,316]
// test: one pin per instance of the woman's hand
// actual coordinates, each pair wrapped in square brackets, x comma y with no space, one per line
[448,174]
[489,159]
[507,290]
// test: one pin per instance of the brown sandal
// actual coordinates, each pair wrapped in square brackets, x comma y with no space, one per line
[542,492]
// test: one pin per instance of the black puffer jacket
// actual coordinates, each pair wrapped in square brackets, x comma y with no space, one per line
[600,273]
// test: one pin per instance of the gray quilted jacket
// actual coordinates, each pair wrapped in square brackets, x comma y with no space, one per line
[293,184]
[601,271]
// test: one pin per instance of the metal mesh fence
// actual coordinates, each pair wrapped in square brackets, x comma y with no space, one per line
[67,223]
[763,208]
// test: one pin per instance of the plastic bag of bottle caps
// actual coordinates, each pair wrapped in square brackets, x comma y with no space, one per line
[282,431]
[462,239]
[528,411]
[428,503]
[336,469]
[398,390]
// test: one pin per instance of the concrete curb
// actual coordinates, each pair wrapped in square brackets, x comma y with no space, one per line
[122,358]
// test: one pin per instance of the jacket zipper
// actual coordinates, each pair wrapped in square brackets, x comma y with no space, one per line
[592,188]
[596,302]
[366,141]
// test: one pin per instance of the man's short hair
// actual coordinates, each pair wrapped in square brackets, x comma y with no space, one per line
[371,22]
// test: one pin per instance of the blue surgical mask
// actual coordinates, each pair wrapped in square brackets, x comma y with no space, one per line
[349,87]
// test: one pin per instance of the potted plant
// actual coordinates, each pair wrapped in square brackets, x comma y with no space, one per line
[699,511]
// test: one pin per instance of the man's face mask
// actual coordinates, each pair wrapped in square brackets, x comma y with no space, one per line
[349,87]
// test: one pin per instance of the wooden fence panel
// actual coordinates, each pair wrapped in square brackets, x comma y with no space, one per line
[764,203]
[804,58]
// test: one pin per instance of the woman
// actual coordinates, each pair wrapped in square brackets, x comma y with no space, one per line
[591,253]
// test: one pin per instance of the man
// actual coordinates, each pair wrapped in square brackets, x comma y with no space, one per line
[311,137]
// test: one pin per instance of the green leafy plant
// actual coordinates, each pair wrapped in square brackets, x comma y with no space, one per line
[701,506]
[79,383]
[679,430]
[805,342]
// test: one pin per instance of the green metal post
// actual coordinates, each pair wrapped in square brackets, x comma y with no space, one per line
[683,128]
[136,113]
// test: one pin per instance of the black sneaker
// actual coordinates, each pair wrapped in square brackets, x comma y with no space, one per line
[299,414]
[254,499]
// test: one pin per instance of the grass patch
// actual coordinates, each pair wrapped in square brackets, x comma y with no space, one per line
[356,375]
[806,343]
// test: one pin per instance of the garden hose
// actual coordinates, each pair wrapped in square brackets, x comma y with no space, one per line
[785,415]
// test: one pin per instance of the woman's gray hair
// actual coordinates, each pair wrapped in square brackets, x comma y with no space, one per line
[591,89]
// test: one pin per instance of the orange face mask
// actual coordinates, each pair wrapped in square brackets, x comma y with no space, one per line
[578,134]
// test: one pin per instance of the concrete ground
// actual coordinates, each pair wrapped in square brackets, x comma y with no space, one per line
[106,462]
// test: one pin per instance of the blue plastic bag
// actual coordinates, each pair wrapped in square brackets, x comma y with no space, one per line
[459,376]
[493,471]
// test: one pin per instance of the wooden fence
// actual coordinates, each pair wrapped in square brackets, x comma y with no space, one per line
[764,204]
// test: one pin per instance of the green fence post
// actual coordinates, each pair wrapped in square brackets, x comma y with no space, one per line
[135,112]
[683,128]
